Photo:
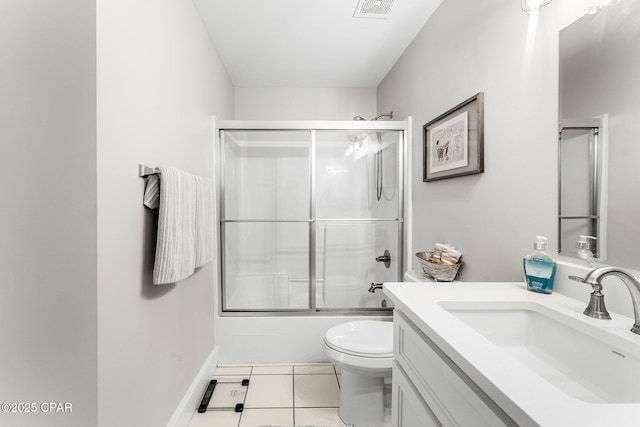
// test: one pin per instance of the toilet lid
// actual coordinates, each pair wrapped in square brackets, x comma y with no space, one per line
[367,338]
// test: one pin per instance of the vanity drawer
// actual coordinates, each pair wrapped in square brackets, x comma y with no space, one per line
[451,395]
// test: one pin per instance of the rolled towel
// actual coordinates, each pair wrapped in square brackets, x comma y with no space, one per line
[452,257]
[447,253]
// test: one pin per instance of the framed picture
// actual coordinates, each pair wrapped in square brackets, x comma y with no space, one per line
[454,141]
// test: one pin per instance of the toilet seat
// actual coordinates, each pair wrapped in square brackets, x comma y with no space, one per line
[358,354]
[362,338]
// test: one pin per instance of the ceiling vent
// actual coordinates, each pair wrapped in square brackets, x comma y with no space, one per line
[373,9]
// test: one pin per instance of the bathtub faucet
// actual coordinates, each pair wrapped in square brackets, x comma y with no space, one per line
[374,287]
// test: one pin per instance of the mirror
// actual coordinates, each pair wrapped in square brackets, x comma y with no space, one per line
[599,148]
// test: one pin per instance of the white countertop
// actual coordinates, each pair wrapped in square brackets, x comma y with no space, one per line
[520,392]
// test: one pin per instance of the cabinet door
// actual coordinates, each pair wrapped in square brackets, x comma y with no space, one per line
[453,397]
[408,408]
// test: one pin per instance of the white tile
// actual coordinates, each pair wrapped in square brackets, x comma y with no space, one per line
[270,391]
[317,417]
[272,370]
[314,369]
[266,417]
[232,370]
[313,391]
[216,419]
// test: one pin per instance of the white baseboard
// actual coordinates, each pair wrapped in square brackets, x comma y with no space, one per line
[187,407]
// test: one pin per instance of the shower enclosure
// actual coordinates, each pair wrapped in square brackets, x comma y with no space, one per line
[311,214]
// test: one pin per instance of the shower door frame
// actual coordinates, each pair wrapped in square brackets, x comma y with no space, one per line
[597,129]
[311,126]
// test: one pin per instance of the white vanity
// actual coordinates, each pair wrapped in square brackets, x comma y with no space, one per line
[494,354]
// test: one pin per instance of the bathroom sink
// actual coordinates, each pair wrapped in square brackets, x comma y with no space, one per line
[576,357]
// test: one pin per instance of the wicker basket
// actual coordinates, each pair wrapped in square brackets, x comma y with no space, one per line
[439,272]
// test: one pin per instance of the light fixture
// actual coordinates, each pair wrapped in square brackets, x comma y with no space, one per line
[533,6]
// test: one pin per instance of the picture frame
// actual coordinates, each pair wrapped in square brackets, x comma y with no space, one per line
[453,143]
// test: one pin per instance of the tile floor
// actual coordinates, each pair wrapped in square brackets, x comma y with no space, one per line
[296,395]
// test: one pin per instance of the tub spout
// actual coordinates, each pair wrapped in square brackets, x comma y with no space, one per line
[374,287]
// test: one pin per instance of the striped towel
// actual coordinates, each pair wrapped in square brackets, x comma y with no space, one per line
[203,221]
[152,191]
[175,246]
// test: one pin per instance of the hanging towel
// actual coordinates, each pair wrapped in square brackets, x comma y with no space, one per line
[152,192]
[175,246]
[203,221]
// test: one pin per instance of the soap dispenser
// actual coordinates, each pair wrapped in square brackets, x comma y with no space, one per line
[539,268]
[583,249]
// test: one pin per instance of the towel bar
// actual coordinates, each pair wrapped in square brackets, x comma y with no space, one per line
[144,171]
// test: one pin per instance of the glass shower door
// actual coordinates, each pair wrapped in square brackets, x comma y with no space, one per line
[265,220]
[357,209]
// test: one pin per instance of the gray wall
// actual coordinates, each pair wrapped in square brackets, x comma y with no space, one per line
[473,46]
[48,210]
[159,82]
[304,103]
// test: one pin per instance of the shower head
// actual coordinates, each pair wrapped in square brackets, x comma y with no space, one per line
[357,136]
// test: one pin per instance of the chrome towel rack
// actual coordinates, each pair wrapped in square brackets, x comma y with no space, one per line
[144,171]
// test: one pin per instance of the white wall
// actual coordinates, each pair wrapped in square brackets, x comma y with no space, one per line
[304,103]
[48,210]
[468,47]
[159,82]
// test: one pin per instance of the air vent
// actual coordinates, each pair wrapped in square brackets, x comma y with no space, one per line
[373,9]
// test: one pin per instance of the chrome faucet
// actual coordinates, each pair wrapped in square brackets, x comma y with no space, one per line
[596,306]
[374,287]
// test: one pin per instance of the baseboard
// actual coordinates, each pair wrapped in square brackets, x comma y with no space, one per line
[187,407]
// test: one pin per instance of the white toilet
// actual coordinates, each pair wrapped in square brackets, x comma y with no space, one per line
[363,350]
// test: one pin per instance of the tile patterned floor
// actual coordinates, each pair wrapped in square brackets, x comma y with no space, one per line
[289,395]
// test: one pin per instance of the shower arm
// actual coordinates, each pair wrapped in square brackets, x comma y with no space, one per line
[389,115]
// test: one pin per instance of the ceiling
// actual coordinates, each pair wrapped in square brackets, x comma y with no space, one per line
[305,43]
